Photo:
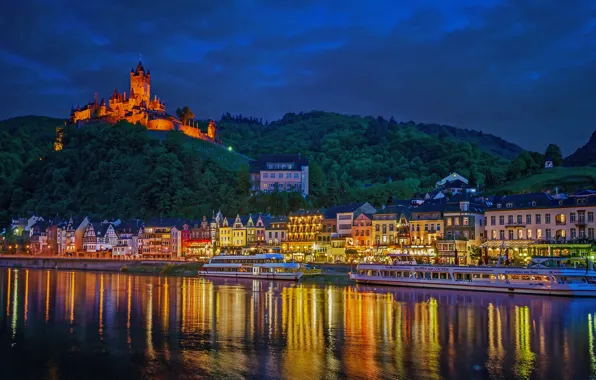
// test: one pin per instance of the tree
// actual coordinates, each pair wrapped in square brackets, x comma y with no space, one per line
[185,114]
[554,153]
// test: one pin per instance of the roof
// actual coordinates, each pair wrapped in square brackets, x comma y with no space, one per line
[261,162]
[457,184]
[434,205]
[539,200]
[103,229]
[129,226]
[332,211]
[269,220]
[161,222]
[308,212]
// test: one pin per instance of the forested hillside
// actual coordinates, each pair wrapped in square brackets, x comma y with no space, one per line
[121,171]
[350,153]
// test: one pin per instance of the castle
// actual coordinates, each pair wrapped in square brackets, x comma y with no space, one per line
[138,107]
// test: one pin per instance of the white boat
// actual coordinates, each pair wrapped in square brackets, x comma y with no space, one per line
[554,276]
[268,266]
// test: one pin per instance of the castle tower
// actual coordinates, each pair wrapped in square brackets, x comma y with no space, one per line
[140,84]
[212,130]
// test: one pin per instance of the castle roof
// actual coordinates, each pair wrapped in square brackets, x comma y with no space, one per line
[139,68]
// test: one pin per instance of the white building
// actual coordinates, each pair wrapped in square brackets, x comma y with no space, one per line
[541,224]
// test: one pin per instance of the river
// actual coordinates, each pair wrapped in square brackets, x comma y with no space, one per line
[89,325]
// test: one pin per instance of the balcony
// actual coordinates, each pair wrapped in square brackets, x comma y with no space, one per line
[515,225]
[580,222]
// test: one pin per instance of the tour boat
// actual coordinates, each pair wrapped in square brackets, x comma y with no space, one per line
[268,266]
[555,276]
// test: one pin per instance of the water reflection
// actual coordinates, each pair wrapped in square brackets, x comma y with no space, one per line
[94,325]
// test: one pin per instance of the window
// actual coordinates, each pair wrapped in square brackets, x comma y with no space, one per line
[494,234]
[456,221]
[520,234]
[538,221]
[547,218]
[502,235]
[413,228]
[539,234]
[288,175]
[501,219]
[378,227]
[449,221]
[510,219]
[509,205]
[573,233]
[270,234]
[519,219]
[528,219]
[493,220]
[466,221]
[296,175]
[265,175]
[264,186]
[590,217]
[391,227]
[529,234]
[280,175]
[572,217]
[590,233]
[548,234]
[438,227]
[510,234]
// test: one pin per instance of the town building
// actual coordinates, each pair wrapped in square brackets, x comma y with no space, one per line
[156,238]
[276,232]
[199,245]
[426,226]
[98,239]
[463,221]
[239,231]
[280,172]
[225,233]
[525,225]
[362,231]
[303,229]
[391,227]
[127,245]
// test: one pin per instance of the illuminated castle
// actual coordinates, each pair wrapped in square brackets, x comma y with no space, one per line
[138,107]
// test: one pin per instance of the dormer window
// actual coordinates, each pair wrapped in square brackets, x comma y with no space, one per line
[534,203]
[560,203]
[509,205]
[499,205]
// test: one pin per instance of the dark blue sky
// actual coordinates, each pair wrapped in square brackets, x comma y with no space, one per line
[524,70]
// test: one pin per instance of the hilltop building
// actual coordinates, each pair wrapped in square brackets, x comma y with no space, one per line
[138,107]
[279,172]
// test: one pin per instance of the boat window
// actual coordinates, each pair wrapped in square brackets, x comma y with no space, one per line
[435,276]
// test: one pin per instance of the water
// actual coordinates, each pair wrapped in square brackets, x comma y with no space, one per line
[81,325]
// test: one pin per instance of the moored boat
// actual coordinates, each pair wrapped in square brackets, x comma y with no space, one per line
[269,266]
[544,275]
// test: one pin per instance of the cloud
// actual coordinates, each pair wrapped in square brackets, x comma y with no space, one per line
[521,69]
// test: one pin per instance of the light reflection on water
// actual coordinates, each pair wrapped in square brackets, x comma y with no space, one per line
[110,325]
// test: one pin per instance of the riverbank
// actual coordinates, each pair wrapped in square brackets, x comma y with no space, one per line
[129,266]
[325,274]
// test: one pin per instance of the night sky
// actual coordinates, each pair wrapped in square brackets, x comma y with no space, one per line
[523,70]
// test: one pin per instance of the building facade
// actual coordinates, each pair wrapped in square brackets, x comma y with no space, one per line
[280,172]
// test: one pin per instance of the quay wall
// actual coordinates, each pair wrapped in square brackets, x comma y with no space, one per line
[77,264]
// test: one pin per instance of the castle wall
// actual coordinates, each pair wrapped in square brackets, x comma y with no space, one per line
[160,125]
[192,131]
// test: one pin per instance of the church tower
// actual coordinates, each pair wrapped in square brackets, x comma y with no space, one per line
[140,84]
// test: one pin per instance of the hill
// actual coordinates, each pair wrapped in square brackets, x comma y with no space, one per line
[224,156]
[355,158]
[586,155]
[486,142]
[119,170]
[565,179]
